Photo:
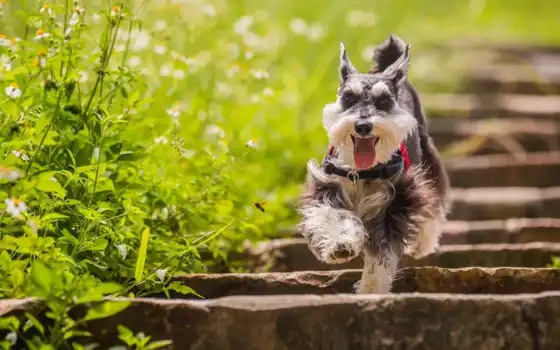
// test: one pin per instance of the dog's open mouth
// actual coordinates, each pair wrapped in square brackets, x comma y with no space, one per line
[364,151]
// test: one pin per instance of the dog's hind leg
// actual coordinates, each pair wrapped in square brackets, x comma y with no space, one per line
[378,273]
[427,240]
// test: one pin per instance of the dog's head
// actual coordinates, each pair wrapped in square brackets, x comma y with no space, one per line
[366,121]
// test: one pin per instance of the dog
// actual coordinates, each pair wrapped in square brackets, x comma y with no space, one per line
[382,191]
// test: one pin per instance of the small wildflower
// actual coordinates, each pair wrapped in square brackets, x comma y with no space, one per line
[15,206]
[315,32]
[209,10]
[134,61]
[179,74]
[12,338]
[165,70]
[223,89]
[5,63]
[41,59]
[95,17]
[248,54]
[259,74]
[252,143]
[161,140]
[119,47]
[4,41]
[232,71]
[173,112]
[214,130]
[75,19]
[10,174]
[254,98]
[83,77]
[298,26]
[160,49]
[40,34]
[242,25]
[160,25]
[79,10]
[115,11]
[123,250]
[46,8]
[13,90]
[161,274]
[268,92]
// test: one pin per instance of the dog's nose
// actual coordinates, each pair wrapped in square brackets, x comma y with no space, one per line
[363,128]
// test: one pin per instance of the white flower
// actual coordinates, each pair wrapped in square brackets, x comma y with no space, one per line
[46,8]
[15,206]
[248,55]
[33,225]
[223,89]
[160,25]
[12,338]
[5,63]
[161,140]
[83,77]
[161,274]
[115,11]
[242,25]
[179,74]
[134,61]
[20,154]
[95,17]
[74,19]
[315,32]
[358,18]
[213,129]
[13,90]
[232,71]
[40,34]
[298,26]
[10,174]
[140,40]
[165,70]
[173,112]
[123,250]
[254,98]
[268,92]
[260,74]
[209,10]
[160,49]
[4,41]
[119,47]
[252,143]
[251,39]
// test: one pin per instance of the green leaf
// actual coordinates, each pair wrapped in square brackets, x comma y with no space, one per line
[76,333]
[53,217]
[139,272]
[98,292]
[45,184]
[181,288]
[105,309]
[38,326]
[9,323]
[159,344]
[97,245]
[41,277]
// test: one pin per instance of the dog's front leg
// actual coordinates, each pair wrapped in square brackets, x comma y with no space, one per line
[334,235]
[378,273]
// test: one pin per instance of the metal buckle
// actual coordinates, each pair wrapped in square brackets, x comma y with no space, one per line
[353,176]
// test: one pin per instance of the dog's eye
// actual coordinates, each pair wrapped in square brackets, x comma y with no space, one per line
[384,103]
[349,99]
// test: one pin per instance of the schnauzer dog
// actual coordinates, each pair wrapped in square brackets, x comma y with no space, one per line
[382,190]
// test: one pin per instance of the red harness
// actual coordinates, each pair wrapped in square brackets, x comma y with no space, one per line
[402,149]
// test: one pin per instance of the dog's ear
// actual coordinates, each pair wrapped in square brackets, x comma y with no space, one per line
[388,52]
[399,69]
[346,67]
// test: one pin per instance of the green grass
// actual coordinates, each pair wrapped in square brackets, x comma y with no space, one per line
[118,190]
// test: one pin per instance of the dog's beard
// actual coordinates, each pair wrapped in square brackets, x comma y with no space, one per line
[389,130]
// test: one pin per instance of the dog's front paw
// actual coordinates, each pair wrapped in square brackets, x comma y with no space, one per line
[339,253]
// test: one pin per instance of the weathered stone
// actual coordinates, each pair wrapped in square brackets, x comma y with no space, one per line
[344,322]
[283,255]
[473,280]
[499,203]
[521,230]
[478,106]
[504,170]
[497,134]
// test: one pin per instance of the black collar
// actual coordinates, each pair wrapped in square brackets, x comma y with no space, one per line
[380,171]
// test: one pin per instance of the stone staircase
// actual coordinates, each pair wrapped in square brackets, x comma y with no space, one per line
[487,287]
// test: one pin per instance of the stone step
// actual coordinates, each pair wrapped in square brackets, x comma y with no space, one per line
[292,254]
[500,203]
[495,135]
[491,106]
[470,280]
[505,170]
[519,230]
[341,322]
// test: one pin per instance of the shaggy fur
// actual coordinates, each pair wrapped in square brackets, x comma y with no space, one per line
[377,219]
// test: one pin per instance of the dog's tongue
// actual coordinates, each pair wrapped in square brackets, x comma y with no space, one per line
[364,152]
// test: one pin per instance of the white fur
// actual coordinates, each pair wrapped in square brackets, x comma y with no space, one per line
[391,128]
[427,240]
[377,275]
[379,88]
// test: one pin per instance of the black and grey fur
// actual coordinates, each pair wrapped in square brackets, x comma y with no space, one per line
[377,219]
